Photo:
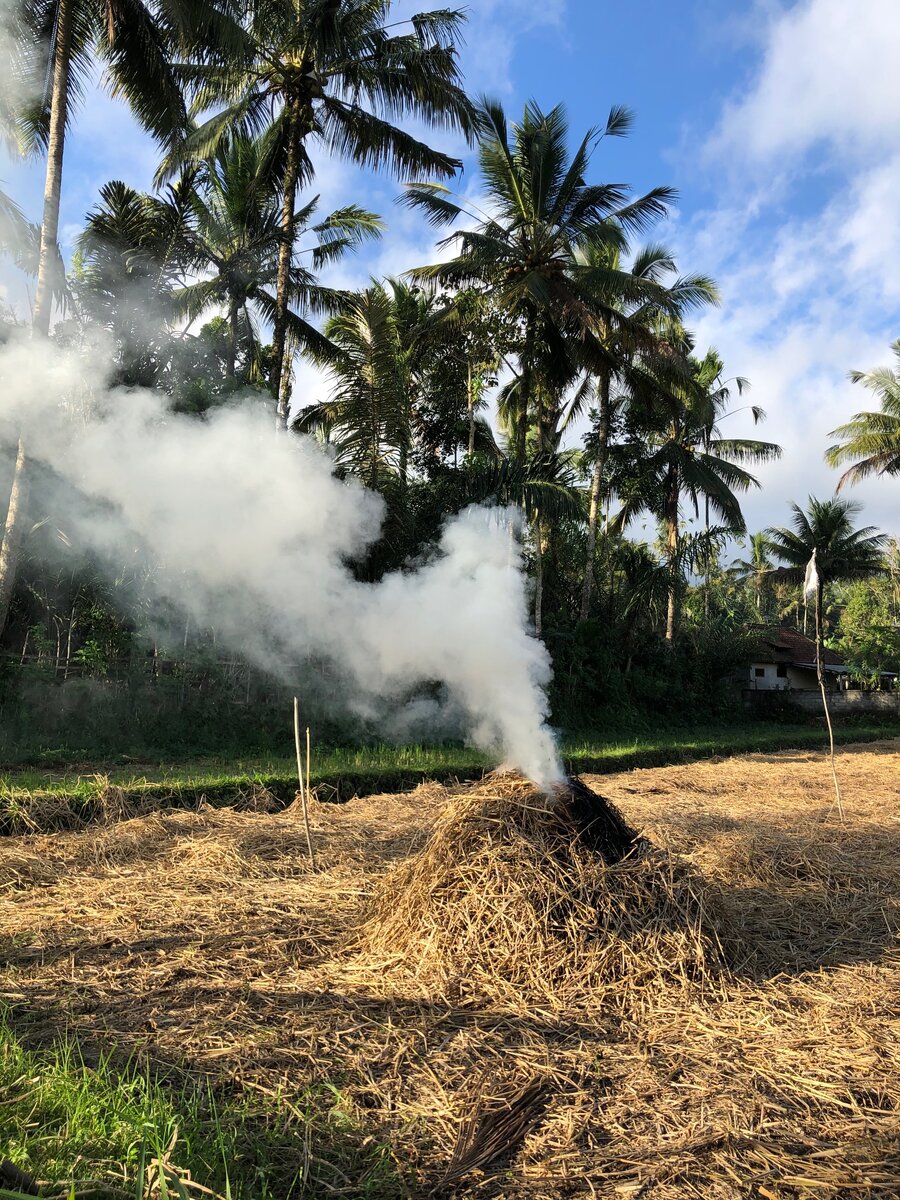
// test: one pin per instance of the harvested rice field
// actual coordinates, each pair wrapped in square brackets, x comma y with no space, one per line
[502,1013]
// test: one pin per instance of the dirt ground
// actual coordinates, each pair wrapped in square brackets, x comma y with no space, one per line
[203,940]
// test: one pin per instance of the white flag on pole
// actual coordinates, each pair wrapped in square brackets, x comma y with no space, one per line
[811,581]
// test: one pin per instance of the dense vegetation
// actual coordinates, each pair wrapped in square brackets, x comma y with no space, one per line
[543,360]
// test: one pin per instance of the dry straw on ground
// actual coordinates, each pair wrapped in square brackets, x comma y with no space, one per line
[720,1019]
[506,905]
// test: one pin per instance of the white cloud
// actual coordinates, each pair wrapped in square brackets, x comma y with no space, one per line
[829,75]
[803,303]
[490,41]
[800,378]
[806,259]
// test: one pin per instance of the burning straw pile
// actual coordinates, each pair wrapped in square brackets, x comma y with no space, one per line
[520,900]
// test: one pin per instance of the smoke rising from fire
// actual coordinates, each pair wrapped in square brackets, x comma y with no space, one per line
[251,533]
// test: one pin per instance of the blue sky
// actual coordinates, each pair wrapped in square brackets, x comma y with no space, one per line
[779,123]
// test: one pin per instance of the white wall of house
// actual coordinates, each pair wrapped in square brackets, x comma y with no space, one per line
[765,677]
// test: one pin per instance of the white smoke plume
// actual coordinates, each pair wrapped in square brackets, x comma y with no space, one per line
[251,533]
[24,77]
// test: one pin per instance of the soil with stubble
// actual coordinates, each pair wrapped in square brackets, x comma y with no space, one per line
[204,942]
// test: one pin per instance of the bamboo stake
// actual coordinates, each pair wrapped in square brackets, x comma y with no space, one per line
[307,760]
[821,675]
[303,790]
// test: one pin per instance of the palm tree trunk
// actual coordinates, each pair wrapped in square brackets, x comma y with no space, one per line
[672,556]
[596,492]
[470,397]
[231,360]
[11,547]
[538,576]
[278,380]
[671,614]
[521,431]
[59,102]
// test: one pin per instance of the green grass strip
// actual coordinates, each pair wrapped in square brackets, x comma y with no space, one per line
[68,1117]
[53,799]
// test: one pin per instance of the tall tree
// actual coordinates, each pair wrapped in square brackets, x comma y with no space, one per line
[682,456]
[628,350]
[841,551]
[55,42]
[755,570]
[525,254]
[478,336]
[234,238]
[366,419]
[873,438]
[400,387]
[210,242]
[131,259]
[334,73]
[543,257]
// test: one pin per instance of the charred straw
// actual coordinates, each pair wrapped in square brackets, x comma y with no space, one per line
[491,1135]
[596,821]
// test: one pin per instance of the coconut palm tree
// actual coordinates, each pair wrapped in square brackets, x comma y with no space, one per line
[136,42]
[233,238]
[530,253]
[841,551]
[393,344]
[873,438]
[628,349]
[683,457]
[756,570]
[334,73]
[366,419]
[525,254]
[131,259]
[398,381]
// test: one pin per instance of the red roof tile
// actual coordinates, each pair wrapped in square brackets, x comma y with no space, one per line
[777,644]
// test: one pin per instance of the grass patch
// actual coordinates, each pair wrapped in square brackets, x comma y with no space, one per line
[59,797]
[688,745]
[67,1121]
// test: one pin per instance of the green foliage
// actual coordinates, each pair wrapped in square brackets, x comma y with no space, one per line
[842,551]
[605,674]
[528,257]
[149,264]
[681,462]
[336,74]
[149,706]
[544,298]
[755,573]
[873,438]
[869,629]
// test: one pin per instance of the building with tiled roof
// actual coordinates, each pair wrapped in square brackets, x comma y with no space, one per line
[785,659]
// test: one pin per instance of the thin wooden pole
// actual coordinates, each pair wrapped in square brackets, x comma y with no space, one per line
[309,845]
[307,760]
[821,675]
